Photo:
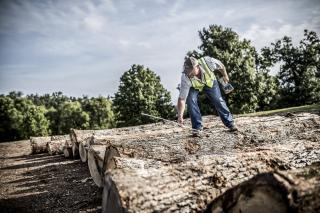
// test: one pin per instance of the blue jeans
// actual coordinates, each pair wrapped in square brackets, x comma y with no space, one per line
[217,101]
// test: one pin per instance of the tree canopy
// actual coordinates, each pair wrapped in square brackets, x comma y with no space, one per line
[140,91]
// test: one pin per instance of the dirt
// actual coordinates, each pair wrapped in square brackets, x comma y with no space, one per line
[44,183]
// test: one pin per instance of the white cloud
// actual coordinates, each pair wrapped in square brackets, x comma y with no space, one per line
[94,23]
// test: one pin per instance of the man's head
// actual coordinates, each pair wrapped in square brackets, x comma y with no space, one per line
[190,66]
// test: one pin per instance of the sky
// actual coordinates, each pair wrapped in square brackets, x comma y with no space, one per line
[83,47]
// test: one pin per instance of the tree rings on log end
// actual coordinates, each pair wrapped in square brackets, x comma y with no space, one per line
[94,169]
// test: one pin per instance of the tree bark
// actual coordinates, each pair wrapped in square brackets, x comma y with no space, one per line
[279,191]
[56,147]
[149,185]
[60,137]
[145,185]
[39,144]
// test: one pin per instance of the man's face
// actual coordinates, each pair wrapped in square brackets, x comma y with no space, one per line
[194,72]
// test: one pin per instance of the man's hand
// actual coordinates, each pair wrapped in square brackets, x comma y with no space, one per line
[226,79]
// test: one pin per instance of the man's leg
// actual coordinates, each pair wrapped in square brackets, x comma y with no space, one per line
[193,109]
[216,99]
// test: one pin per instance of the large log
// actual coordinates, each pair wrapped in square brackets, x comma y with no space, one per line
[79,135]
[39,144]
[56,147]
[86,138]
[279,191]
[148,186]
[145,185]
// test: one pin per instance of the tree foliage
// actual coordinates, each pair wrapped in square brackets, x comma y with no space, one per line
[140,91]
[20,118]
[35,115]
[299,70]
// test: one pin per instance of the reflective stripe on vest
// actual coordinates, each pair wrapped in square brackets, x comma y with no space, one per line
[209,77]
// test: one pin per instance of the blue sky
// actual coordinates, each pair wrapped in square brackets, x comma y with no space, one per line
[83,47]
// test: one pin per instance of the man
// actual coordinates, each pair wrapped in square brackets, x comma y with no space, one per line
[198,75]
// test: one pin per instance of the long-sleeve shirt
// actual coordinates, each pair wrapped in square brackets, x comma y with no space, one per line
[185,84]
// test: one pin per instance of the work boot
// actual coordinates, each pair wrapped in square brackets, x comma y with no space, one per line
[233,128]
[197,132]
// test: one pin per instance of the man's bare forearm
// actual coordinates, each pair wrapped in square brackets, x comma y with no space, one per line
[181,106]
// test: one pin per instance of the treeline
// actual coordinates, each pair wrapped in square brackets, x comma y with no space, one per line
[35,115]
[297,82]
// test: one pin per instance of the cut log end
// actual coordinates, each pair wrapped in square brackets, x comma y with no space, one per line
[67,151]
[83,152]
[94,169]
[75,150]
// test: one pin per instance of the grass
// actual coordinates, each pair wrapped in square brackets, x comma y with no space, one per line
[306,108]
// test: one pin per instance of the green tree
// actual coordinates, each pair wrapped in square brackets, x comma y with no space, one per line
[34,121]
[299,71]
[21,118]
[140,91]
[70,115]
[238,56]
[100,112]
[11,119]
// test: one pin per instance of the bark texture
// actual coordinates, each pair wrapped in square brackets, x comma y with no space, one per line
[140,180]
[56,147]
[39,144]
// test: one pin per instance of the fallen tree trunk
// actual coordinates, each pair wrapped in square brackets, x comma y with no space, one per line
[286,191]
[136,185]
[78,136]
[67,149]
[190,185]
[39,144]
[56,147]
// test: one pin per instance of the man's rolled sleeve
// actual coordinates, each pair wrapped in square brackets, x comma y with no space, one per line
[184,87]
[214,64]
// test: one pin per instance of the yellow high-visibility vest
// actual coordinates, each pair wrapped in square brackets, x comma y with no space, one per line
[209,77]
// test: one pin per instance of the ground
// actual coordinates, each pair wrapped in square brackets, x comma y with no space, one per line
[44,183]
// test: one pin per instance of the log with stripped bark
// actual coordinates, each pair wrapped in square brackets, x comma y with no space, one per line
[39,144]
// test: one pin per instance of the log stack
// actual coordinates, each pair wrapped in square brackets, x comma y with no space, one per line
[183,174]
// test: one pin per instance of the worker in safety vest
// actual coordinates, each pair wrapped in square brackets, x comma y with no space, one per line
[198,75]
